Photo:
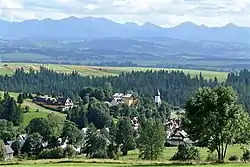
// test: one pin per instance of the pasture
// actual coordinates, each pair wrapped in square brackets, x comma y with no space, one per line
[9,69]
[35,111]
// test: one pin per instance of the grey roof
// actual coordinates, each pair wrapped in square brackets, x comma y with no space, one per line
[8,149]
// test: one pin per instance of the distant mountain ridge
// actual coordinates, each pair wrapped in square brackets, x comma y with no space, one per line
[90,27]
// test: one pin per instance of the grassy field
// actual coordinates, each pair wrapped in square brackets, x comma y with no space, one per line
[121,165]
[133,160]
[35,111]
[101,71]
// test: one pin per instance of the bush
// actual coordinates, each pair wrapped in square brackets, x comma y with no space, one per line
[233,158]
[55,153]
[69,152]
[186,152]
[246,155]
[212,157]
[102,154]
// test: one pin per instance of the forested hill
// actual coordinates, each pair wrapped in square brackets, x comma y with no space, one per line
[175,86]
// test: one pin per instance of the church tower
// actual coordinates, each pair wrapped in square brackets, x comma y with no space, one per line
[158,98]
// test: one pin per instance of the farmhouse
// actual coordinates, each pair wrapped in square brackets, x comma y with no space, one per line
[175,135]
[59,103]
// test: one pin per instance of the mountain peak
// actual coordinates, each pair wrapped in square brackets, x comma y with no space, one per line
[187,24]
[150,25]
[230,25]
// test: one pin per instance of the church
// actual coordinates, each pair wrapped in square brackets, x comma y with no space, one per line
[158,98]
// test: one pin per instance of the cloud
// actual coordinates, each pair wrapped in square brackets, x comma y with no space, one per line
[160,12]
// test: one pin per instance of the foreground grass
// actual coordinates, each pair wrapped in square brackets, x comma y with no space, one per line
[132,160]
[102,71]
[122,165]
[170,151]
[35,111]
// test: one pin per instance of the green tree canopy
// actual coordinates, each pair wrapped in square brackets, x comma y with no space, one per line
[71,133]
[151,140]
[7,130]
[214,118]
[41,126]
[33,144]
[125,135]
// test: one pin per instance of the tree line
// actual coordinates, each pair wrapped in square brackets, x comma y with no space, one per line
[175,86]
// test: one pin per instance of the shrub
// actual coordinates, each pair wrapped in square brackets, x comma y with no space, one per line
[246,154]
[186,152]
[55,153]
[212,157]
[69,152]
[102,154]
[233,158]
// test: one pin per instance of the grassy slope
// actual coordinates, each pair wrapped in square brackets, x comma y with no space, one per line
[102,71]
[42,112]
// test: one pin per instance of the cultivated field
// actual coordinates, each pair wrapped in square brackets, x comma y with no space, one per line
[9,68]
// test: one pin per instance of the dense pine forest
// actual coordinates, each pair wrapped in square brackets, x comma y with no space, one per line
[175,86]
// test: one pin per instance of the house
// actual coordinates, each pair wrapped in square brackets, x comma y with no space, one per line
[175,134]
[129,99]
[177,138]
[9,153]
[59,103]
[120,98]
[65,103]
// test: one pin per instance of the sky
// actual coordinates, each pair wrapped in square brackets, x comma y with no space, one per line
[165,13]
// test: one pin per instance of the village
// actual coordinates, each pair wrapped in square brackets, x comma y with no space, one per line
[174,133]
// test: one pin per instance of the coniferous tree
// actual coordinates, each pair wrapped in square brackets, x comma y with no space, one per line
[124,135]
[151,140]
[20,98]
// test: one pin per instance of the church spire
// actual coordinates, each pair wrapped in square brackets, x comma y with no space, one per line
[158,97]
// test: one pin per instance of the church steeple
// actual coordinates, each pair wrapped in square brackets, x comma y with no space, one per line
[158,97]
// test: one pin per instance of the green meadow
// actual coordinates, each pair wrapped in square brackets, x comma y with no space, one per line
[9,69]
[35,111]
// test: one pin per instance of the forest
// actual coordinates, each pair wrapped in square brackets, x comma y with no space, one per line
[175,86]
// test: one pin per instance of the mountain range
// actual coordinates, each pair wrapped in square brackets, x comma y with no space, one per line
[74,28]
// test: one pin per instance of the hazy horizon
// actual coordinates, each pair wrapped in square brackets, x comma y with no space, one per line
[164,13]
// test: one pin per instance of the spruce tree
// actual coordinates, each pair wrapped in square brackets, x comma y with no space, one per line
[151,140]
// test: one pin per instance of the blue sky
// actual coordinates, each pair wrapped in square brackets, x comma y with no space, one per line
[161,12]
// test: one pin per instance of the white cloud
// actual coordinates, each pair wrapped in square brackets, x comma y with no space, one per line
[160,12]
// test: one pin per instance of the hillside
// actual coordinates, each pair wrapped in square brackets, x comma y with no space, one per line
[35,111]
[10,68]
[140,51]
